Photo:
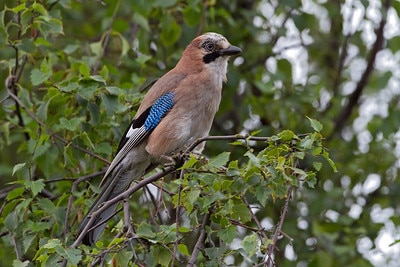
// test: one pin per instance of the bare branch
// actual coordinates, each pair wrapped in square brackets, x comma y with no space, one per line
[200,240]
[344,115]
[278,229]
[177,215]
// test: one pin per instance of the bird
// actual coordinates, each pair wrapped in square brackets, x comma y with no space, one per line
[177,110]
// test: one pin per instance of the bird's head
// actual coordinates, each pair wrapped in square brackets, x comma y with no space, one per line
[211,50]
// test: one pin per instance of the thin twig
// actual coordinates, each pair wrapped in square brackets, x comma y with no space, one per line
[200,240]
[255,219]
[271,247]
[177,215]
[346,111]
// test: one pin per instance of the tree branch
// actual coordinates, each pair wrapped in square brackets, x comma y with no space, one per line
[344,115]
[278,229]
[200,240]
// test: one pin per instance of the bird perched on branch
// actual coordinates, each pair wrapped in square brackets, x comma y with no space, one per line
[177,110]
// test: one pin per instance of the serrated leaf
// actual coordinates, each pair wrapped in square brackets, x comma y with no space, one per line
[189,163]
[73,255]
[52,243]
[250,245]
[228,234]
[35,186]
[220,160]
[38,76]
[307,142]
[242,213]
[86,89]
[71,125]
[316,125]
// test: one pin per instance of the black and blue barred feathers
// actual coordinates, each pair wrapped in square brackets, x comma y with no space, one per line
[159,110]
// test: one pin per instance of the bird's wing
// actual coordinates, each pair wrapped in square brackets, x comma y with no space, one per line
[140,128]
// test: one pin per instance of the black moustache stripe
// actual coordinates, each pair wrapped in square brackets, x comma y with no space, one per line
[211,57]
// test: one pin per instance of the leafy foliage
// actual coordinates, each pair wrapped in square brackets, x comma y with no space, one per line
[74,78]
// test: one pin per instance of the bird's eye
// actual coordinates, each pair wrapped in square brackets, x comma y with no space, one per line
[208,46]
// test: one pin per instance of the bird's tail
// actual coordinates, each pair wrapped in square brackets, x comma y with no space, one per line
[113,187]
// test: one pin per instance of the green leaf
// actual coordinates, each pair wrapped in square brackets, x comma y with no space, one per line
[11,221]
[70,87]
[18,263]
[71,125]
[242,213]
[164,3]
[15,193]
[145,230]
[162,255]
[220,160]
[262,194]
[325,154]
[72,255]
[316,125]
[170,33]
[39,8]
[307,142]
[35,186]
[18,167]
[317,165]
[38,76]
[228,234]
[18,8]
[84,70]
[53,243]
[141,20]
[87,89]
[192,16]
[182,248]
[286,135]
[250,244]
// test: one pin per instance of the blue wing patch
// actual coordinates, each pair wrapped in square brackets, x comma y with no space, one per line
[158,111]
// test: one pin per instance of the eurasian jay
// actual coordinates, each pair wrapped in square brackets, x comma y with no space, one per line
[177,110]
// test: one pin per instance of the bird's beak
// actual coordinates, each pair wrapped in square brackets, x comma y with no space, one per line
[231,50]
